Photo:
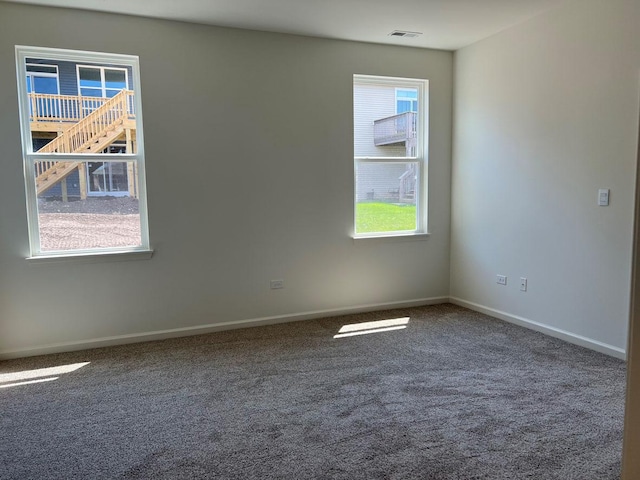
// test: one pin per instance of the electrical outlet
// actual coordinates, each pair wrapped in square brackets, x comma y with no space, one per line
[502,279]
[276,284]
[523,284]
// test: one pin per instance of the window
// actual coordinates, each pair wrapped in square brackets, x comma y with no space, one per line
[406,100]
[389,119]
[83,152]
[101,81]
[43,79]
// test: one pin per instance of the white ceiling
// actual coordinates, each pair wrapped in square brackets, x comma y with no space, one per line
[445,24]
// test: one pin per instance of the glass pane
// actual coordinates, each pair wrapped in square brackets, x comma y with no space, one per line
[91,92]
[45,85]
[59,122]
[384,125]
[42,69]
[115,79]
[407,100]
[90,77]
[386,197]
[73,215]
[407,93]
[107,177]
[404,106]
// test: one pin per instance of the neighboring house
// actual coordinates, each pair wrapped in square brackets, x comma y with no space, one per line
[385,121]
[82,108]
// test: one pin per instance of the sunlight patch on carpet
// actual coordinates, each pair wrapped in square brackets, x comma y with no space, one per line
[28,382]
[25,377]
[377,326]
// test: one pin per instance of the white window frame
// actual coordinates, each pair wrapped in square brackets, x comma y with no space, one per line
[30,157]
[420,158]
[103,83]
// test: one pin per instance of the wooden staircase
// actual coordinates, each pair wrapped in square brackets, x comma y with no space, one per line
[407,190]
[92,134]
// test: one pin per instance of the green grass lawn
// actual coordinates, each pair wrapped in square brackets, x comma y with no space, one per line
[384,217]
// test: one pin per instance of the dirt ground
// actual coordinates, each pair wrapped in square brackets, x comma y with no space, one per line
[91,223]
[100,205]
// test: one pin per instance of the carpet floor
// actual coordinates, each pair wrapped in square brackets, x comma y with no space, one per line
[450,394]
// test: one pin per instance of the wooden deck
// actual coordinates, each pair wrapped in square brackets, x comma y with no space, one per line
[395,130]
[79,124]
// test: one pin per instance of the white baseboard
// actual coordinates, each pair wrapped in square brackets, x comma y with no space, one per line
[254,322]
[210,328]
[539,327]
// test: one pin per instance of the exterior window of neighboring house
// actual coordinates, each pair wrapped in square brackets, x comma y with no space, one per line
[43,79]
[406,100]
[390,125]
[101,81]
[83,152]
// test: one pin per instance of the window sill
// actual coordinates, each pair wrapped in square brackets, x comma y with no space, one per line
[92,257]
[390,238]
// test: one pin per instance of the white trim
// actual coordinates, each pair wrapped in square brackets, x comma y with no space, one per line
[92,256]
[542,328]
[393,236]
[389,159]
[272,320]
[213,327]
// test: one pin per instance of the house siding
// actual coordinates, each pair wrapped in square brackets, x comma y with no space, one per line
[378,181]
[73,188]
[67,74]
[373,102]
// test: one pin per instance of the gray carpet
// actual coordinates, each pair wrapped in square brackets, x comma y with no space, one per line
[455,395]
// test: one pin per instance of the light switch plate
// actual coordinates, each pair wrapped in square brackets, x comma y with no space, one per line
[603,197]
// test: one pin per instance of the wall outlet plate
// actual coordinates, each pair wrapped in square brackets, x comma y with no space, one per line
[276,284]
[502,280]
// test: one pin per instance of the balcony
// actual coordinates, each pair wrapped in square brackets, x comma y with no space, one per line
[399,129]
[56,113]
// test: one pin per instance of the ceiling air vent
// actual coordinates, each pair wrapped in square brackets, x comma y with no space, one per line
[405,34]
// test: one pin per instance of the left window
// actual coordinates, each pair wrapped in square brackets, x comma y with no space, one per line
[83,151]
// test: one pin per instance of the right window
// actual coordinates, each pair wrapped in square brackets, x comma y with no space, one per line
[389,124]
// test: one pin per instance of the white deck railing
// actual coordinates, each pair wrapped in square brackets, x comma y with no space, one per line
[395,129]
[46,107]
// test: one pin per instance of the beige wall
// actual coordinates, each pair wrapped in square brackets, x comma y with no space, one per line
[250,178]
[546,114]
